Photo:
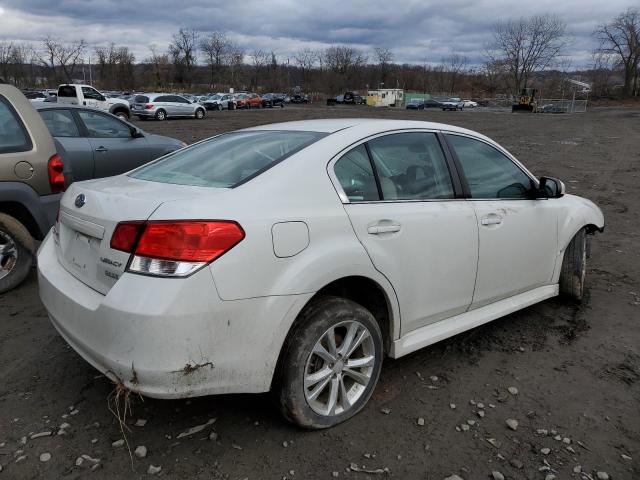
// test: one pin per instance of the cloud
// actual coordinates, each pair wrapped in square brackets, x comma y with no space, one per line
[416,31]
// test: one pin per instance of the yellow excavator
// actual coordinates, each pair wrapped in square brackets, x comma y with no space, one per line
[526,102]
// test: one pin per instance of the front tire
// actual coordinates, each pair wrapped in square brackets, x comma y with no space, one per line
[199,114]
[16,252]
[330,363]
[574,267]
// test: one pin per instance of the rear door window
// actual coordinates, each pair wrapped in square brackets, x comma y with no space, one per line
[13,134]
[60,123]
[411,166]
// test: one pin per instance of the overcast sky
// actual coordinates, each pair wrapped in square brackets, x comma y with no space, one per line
[415,30]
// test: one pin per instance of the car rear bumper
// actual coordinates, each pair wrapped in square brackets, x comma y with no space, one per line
[168,338]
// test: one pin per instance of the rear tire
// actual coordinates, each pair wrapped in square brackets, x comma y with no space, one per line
[574,267]
[349,368]
[122,115]
[16,252]
[161,115]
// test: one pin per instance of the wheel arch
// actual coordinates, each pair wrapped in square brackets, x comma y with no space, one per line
[379,299]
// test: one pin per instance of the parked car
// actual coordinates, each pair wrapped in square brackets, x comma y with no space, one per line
[299,98]
[241,100]
[451,232]
[162,106]
[253,100]
[452,104]
[273,100]
[31,182]
[469,104]
[220,101]
[415,104]
[35,96]
[98,144]
[86,95]
[431,103]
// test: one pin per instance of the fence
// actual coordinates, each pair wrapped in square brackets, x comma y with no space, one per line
[548,105]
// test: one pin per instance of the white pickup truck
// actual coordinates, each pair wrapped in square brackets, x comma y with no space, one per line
[77,94]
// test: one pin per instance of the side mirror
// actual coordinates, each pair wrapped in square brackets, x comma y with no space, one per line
[550,188]
[135,133]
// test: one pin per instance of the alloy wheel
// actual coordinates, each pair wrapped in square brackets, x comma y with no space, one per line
[339,368]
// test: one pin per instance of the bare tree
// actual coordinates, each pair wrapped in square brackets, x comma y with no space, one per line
[621,37]
[385,58]
[214,48]
[235,59]
[527,45]
[306,60]
[183,50]
[452,67]
[65,56]
[259,58]
[160,66]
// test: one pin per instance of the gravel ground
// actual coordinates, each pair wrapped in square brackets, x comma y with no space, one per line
[575,368]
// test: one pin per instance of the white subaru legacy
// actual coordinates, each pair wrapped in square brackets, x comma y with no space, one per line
[294,257]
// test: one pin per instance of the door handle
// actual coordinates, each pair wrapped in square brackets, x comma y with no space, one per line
[491,221]
[377,229]
[102,149]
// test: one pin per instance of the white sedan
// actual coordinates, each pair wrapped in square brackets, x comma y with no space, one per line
[469,104]
[296,256]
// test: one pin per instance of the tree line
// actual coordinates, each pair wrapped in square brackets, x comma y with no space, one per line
[525,52]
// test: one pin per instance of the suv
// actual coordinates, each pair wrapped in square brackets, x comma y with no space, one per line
[164,105]
[31,182]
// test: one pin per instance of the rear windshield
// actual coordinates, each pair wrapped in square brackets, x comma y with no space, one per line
[13,136]
[141,99]
[227,160]
[66,91]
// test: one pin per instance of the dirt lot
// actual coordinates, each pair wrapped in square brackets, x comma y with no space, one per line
[576,367]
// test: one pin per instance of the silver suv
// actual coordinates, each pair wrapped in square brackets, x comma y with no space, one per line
[164,105]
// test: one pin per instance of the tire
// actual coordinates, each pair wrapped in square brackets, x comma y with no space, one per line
[199,114]
[574,267]
[298,361]
[231,106]
[161,115]
[16,252]
[219,107]
[122,115]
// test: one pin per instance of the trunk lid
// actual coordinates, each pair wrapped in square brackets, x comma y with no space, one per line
[89,213]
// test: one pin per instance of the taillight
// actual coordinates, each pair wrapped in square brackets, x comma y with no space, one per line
[125,235]
[148,106]
[55,168]
[175,248]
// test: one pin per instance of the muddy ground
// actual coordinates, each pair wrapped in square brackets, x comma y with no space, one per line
[576,367]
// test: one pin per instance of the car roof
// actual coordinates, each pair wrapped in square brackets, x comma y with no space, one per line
[371,125]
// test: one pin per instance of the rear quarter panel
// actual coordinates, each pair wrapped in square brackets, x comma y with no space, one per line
[43,145]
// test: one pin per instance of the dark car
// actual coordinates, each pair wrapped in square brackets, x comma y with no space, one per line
[299,98]
[273,100]
[431,103]
[415,104]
